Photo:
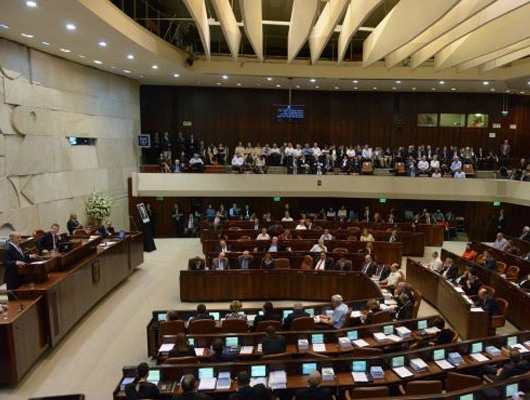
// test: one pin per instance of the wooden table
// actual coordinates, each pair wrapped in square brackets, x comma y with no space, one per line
[442,295]
[274,284]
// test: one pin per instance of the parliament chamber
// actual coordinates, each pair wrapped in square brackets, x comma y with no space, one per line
[257,152]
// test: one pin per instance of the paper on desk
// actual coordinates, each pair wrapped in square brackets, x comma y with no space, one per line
[359,377]
[360,343]
[246,350]
[390,302]
[260,348]
[476,309]
[224,381]
[199,351]
[356,314]
[467,299]
[207,384]
[403,372]
[479,357]
[165,347]
[444,364]
[38,262]
[255,381]
[394,338]
[432,330]
[459,289]
[251,317]
[521,348]
[319,347]
[317,319]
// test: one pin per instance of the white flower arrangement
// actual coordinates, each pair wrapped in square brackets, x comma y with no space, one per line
[98,207]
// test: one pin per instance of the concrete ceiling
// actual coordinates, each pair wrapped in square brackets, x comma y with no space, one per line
[385,45]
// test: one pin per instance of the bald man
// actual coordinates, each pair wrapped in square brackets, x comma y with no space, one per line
[314,391]
[13,258]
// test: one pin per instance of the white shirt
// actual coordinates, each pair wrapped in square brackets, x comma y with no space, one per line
[318,249]
[423,165]
[300,227]
[435,164]
[320,265]
[263,236]
[237,161]
[287,219]
[459,175]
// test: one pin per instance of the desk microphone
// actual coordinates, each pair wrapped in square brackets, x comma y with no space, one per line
[12,293]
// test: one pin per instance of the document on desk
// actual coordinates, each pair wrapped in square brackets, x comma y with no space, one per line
[394,338]
[199,351]
[207,384]
[319,347]
[476,309]
[359,377]
[521,348]
[251,317]
[246,350]
[479,357]
[165,347]
[459,289]
[403,372]
[224,381]
[431,331]
[356,314]
[278,380]
[361,343]
[255,381]
[444,364]
[390,302]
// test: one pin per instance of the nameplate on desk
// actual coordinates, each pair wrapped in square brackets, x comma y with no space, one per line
[199,351]
[444,364]
[361,343]
[479,357]
[403,372]
[246,350]
[319,347]
[359,377]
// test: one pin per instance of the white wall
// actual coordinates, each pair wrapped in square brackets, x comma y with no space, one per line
[44,99]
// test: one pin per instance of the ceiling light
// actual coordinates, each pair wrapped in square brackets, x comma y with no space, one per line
[102,44]
[355,81]
[521,92]
[225,77]
[278,85]
[126,71]
[98,62]
[355,88]
[154,66]
[71,27]
[65,50]
[375,88]
[394,88]
[81,56]
[27,35]
[413,88]
[4,26]
[312,80]
[529,82]
[218,83]
[433,88]
[398,82]
[492,89]
[46,43]
[485,83]
[298,86]
[30,3]
[238,83]
[442,82]
[269,78]
[130,56]
[337,88]
[112,67]
[453,89]
[141,75]
[317,87]
[176,75]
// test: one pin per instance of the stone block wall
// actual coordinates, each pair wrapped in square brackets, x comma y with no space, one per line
[44,100]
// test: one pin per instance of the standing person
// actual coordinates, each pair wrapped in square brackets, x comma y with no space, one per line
[151,215]
[13,258]
[177,219]
[501,222]
[505,151]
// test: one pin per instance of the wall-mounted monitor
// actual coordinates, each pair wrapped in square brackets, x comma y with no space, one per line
[288,114]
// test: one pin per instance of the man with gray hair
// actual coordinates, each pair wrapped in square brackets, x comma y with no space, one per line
[13,258]
[314,391]
[298,312]
[337,317]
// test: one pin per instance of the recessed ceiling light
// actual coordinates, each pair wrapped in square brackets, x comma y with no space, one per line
[355,88]
[225,77]
[269,78]
[337,88]
[521,92]
[375,88]
[238,83]
[30,3]
[317,87]
[176,75]
[485,83]
[413,88]
[218,83]
[112,67]
[442,82]
[27,35]
[98,62]
[312,80]
[102,44]
[398,82]
[278,85]
[71,27]
[507,90]
[355,81]
[492,89]
[298,86]
[130,56]
[433,88]
[453,89]
[65,50]
[4,26]
[81,56]
[141,76]
[154,66]
[46,43]
[529,82]
[126,71]
[394,88]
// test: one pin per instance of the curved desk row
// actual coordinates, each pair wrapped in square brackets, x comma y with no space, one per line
[274,284]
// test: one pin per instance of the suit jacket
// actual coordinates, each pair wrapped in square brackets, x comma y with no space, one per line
[337,267]
[106,232]
[490,305]
[45,242]
[445,336]
[491,264]
[10,257]
[193,267]
[473,289]
[272,344]
[327,264]
[405,311]
[314,393]
[218,249]
[368,269]
[292,316]
[266,317]
[525,284]
[240,262]
[452,272]
[72,225]
[145,390]
[270,265]
[216,264]
[256,392]
[511,369]
[193,396]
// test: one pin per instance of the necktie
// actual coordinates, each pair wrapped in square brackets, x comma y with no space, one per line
[365,269]
[320,266]
[18,249]
[54,242]
[245,264]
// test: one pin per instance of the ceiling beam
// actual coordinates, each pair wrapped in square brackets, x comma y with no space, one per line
[486,39]
[251,11]
[229,26]
[197,9]
[325,26]
[507,59]
[303,16]
[494,11]
[358,11]
[458,14]
[393,32]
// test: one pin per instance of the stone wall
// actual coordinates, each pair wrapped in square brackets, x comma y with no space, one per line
[43,100]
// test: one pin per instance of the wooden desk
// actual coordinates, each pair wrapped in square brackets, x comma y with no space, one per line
[274,284]
[441,294]
[23,339]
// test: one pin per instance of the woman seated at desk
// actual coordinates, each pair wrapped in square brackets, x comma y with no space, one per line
[181,348]
[267,262]
[235,311]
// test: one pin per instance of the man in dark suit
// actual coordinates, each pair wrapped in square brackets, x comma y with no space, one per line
[246,392]
[106,229]
[268,314]
[50,240]
[221,262]
[272,343]
[202,313]
[73,224]
[223,247]
[298,312]
[449,270]
[196,264]
[405,310]
[488,303]
[368,268]
[245,260]
[189,391]
[314,391]
[489,262]
[14,257]
[191,225]
[341,265]
[323,263]
[472,283]
[525,283]
[141,388]
[515,366]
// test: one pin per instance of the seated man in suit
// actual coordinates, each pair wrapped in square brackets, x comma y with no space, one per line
[221,263]
[268,314]
[219,354]
[443,336]
[189,389]
[141,388]
[368,268]
[272,343]
[323,263]
[488,303]
[245,260]
[223,247]
[298,312]
[247,392]
[196,264]
[202,313]
[314,391]
[472,284]
[50,240]
[525,283]
[13,257]
[73,224]
[106,229]
[515,366]
[404,311]
[341,265]
[337,318]
[489,262]
[449,270]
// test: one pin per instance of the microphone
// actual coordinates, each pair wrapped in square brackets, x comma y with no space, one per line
[12,293]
